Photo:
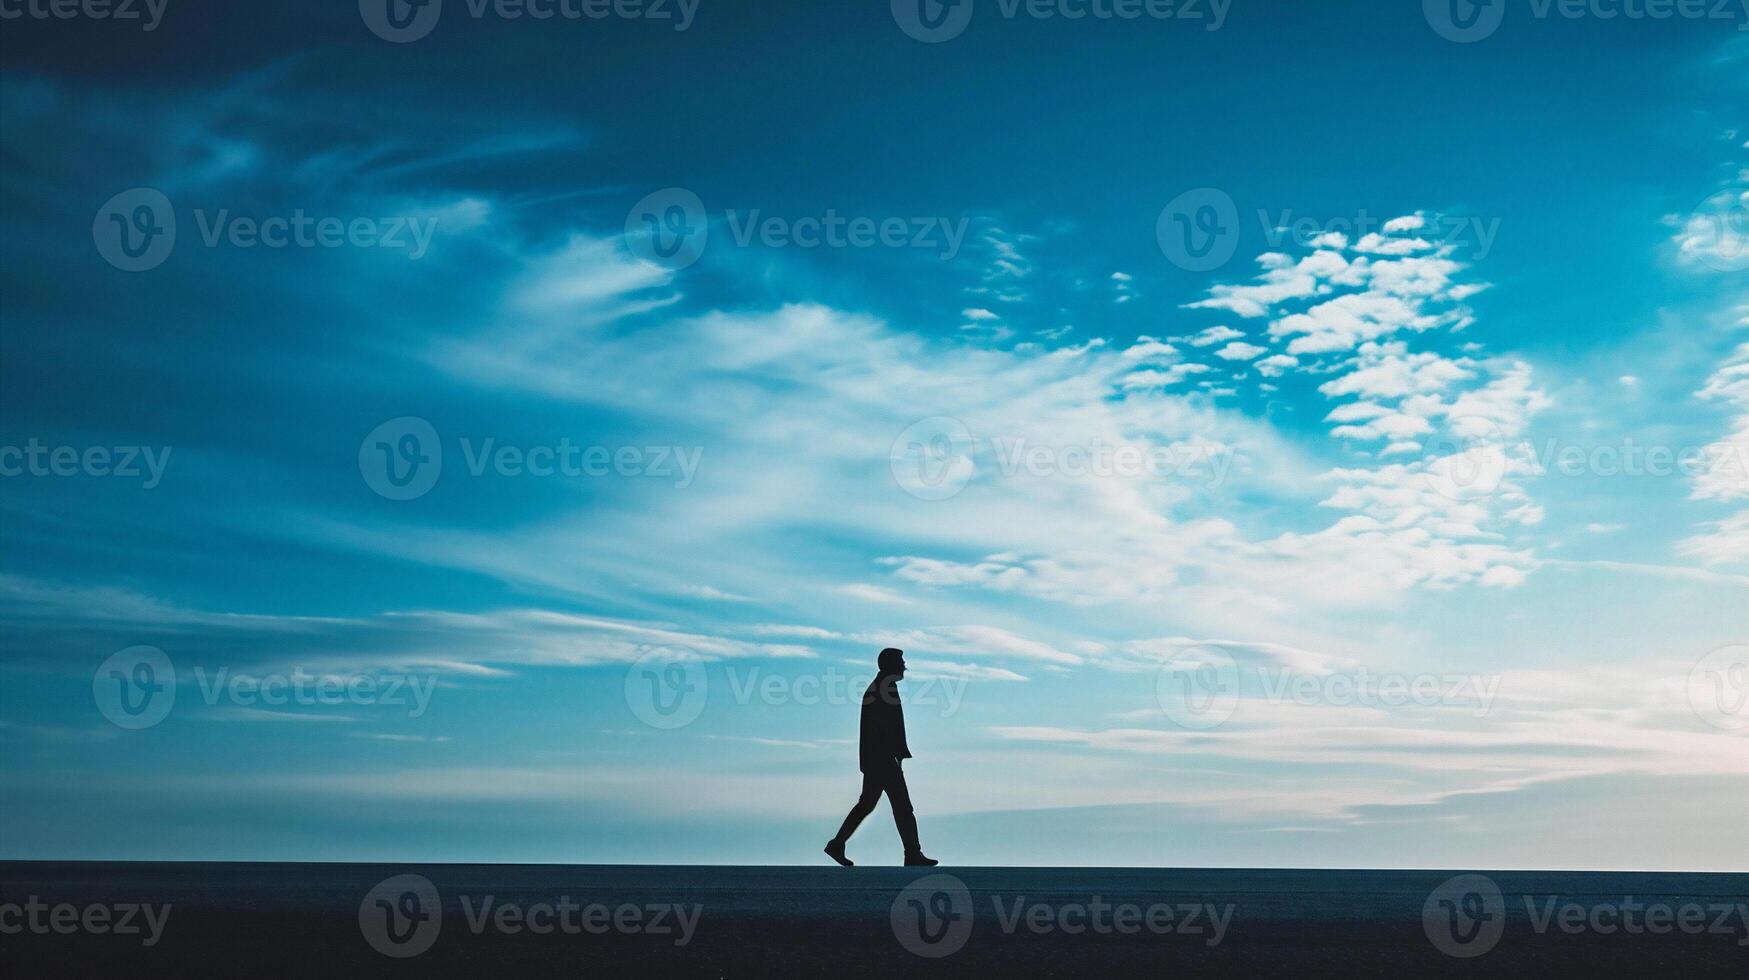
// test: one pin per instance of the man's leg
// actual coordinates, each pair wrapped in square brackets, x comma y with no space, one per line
[899,797]
[865,804]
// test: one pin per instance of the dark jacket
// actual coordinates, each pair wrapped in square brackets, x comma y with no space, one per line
[883,725]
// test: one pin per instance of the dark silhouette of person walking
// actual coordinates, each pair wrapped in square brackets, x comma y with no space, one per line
[881,747]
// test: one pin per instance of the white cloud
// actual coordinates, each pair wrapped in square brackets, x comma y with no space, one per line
[825,379]
[1713,236]
[1214,335]
[1502,408]
[593,278]
[948,668]
[1387,424]
[871,593]
[1376,244]
[457,645]
[1537,726]
[1410,222]
[1390,371]
[1240,351]
[1158,378]
[1726,476]
[1726,542]
[1276,365]
[978,641]
[1345,322]
[1283,280]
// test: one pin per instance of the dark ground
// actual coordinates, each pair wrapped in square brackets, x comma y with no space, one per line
[305,920]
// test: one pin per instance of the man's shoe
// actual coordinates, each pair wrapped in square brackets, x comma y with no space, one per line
[917,860]
[835,851]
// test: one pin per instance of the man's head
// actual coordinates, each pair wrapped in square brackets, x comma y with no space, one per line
[892,662]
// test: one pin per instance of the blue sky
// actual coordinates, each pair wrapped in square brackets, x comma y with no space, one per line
[1397,442]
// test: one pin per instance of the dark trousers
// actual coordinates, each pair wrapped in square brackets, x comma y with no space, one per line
[888,779]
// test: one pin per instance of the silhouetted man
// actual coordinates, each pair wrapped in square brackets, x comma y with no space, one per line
[882,745]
